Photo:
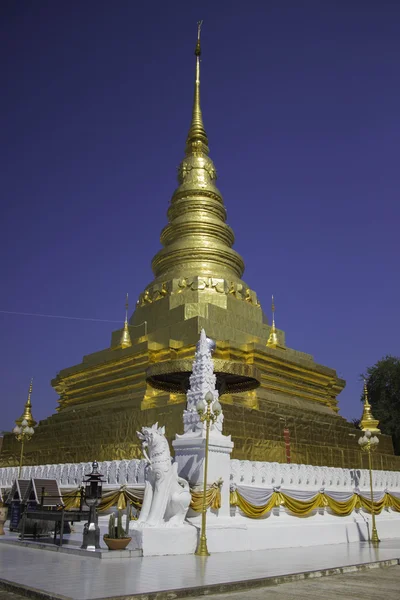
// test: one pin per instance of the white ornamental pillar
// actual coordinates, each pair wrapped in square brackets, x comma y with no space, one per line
[190,447]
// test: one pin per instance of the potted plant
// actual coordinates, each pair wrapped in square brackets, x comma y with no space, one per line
[3,517]
[117,537]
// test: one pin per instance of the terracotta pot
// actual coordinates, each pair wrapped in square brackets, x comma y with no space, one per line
[3,518]
[116,543]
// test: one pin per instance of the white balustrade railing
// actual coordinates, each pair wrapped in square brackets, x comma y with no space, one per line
[242,472]
[307,477]
[115,472]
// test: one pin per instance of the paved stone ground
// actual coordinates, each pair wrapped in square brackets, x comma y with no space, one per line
[367,585]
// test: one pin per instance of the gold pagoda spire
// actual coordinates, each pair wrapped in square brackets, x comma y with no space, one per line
[273,341]
[197,138]
[125,339]
[27,414]
[367,419]
[197,241]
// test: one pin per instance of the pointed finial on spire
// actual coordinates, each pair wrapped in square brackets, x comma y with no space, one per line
[125,339]
[27,414]
[126,308]
[28,402]
[273,309]
[273,341]
[197,51]
[367,419]
[197,138]
[366,403]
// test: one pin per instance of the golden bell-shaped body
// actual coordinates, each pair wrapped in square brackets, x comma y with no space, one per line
[125,341]
[273,339]
[367,420]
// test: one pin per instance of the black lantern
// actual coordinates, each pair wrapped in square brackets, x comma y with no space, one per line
[93,489]
[93,486]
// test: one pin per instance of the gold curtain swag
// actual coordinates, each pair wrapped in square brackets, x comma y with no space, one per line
[303,508]
[123,495]
[72,500]
[213,497]
[118,498]
[300,508]
[251,510]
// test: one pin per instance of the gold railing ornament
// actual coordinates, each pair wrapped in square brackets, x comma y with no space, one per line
[369,443]
[207,416]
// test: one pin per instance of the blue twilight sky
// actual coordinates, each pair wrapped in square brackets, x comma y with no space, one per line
[301,104]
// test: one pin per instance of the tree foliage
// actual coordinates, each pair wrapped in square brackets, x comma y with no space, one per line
[383,384]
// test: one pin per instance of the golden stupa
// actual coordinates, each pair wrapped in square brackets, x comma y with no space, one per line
[142,377]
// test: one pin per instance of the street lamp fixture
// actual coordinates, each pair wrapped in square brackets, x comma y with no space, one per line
[93,491]
[369,443]
[208,412]
[23,429]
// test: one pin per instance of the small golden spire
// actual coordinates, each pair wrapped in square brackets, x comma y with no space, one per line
[197,140]
[367,419]
[273,341]
[27,414]
[125,340]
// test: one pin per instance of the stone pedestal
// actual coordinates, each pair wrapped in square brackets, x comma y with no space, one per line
[189,454]
[163,541]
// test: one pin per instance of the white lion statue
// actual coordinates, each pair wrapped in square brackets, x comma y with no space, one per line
[166,496]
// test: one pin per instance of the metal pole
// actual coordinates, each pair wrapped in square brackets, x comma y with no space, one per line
[21,458]
[202,547]
[374,538]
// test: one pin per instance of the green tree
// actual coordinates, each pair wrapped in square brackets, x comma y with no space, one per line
[383,384]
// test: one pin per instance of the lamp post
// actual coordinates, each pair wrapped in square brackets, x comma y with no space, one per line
[93,490]
[23,429]
[369,443]
[207,416]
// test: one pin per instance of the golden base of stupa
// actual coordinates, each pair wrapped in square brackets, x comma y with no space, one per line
[106,399]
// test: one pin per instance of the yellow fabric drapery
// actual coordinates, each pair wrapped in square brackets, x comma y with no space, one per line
[72,500]
[252,511]
[120,498]
[111,498]
[394,502]
[378,505]
[213,497]
[302,508]
[343,508]
[123,495]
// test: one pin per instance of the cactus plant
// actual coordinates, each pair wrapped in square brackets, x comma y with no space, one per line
[111,527]
[120,529]
[117,531]
[128,518]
